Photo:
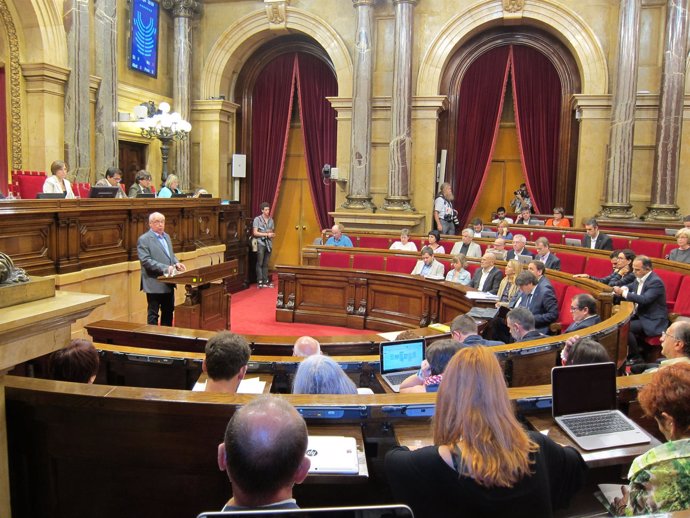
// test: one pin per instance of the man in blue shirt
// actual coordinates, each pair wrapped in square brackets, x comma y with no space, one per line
[338,238]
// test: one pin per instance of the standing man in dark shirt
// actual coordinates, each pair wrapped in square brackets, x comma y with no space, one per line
[263,230]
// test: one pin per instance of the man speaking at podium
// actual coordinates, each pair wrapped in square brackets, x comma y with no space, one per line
[157,258]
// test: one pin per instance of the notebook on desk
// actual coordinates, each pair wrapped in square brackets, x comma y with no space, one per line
[399,359]
[584,406]
[333,454]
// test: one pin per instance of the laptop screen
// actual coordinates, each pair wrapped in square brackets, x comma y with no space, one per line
[583,388]
[401,356]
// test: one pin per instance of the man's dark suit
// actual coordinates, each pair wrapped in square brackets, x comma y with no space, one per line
[511,254]
[154,263]
[542,304]
[651,311]
[531,335]
[604,242]
[478,340]
[585,322]
[552,262]
[491,283]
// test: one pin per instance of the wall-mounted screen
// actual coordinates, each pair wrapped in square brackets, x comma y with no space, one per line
[143,55]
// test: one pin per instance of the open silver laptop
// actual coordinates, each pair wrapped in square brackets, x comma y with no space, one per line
[572,241]
[524,259]
[399,359]
[584,406]
[333,454]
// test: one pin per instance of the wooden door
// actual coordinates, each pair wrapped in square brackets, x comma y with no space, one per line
[132,158]
[294,215]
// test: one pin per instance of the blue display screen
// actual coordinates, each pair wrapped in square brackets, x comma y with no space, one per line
[402,356]
[144,37]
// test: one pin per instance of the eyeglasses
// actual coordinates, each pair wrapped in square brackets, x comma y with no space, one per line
[666,333]
[574,308]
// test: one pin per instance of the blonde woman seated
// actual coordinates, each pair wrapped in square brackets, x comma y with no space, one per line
[404,243]
[319,374]
[428,266]
[170,188]
[507,289]
[459,274]
[482,463]
[429,377]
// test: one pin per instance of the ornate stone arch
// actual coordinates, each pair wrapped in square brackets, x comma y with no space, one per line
[241,39]
[555,18]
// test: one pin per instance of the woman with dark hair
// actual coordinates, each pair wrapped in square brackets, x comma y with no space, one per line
[582,351]
[622,273]
[559,219]
[429,377]
[434,239]
[483,463]
[76,362]
[660,478]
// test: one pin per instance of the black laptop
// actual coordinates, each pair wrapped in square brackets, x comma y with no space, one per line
[99,191]
[50,195]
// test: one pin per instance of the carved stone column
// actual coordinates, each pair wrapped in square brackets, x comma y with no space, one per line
[105,32]
[619,157]
[670,120]
[358,196]
[401,110]
[77,152]
[183,11]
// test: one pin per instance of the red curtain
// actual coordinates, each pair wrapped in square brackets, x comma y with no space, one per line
[271,111]
[315,82]
[479,112]
[3,134]
[537,98]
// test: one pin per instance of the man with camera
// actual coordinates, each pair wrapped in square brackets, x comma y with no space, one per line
[522,200]
[445,216]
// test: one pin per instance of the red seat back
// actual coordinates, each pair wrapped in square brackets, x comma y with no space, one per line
[553,236]
[334,260]
[672,282]
[418,243]
[446,265]
[565,316]
[368,262]
[374,242]
[682,305]
[648,248]
[572,263]
[82,189]
[472,267]
[29,185]
[400,264]
[598,267]
[667,249]
[559,288]
[619,243]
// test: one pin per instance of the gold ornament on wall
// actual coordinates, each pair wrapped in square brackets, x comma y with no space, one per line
[513,6]
[276,13]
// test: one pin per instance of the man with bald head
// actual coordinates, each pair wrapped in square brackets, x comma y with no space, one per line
[264,454]
[488,277]
[306,346]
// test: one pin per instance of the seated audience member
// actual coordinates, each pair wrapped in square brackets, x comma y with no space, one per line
[429,377]
[458,273]
[595,239]
[648,293]
[465,246]
[483,462]
[427,266]
[434,242]
[538,298]
[521,325]
[522,200]
[584,310]
[675,344]
[264,454]
[525,218]
[306,346]
[488,277]
[404,243]
[503,230]
[58,183]
[199,192]
[622,273]
[508,289]
[580,351]
[660,477]
[498,248]
[113,177]
[77,362]
[171,187]
[501,216]
[682,253]
[559,219]
[539,271]
[338,238]
[141,185]
[686,221]
[477,227]
[225,364]
[319,374]
[464,329]
[544,254]
[519,247]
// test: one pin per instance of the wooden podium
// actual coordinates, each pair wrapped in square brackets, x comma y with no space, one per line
[207,301]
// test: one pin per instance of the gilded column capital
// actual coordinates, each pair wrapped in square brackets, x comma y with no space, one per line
[182,8]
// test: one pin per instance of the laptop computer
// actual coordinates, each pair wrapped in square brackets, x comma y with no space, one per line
[334,454]
[524,259]
[399,359]
[145,195]
[50,195]
[572,241]
[373,511]
[102,191]
[584,406]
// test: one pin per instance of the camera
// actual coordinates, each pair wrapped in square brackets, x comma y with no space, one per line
[521,192]
[326,172]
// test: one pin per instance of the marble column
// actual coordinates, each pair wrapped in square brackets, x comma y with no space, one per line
[619,156]
[401,110]
[105,32]
[358,196]
[77,106]
[183,11]
[670,120]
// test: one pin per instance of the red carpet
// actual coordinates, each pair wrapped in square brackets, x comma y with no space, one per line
[253,312]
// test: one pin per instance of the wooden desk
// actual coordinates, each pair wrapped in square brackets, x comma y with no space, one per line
[266,378]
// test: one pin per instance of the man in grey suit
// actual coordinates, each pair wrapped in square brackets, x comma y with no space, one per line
[157,258]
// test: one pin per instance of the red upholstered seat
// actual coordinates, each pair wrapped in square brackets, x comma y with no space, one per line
[401,264]
[648,248]
[598,267]
[368,262]
[565,317]
[553,236]
[667,249]
[572,263]
[472,267]
[418,243]
[374,242]
[446,266]
[334,260]
[672,282]
[81,189]
[620,243]
[682,305]
[559,288]
[579,236]
[29,185]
